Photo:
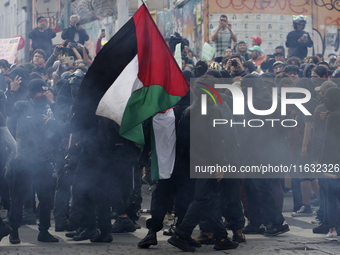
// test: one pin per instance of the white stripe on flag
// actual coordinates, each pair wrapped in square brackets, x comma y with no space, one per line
[165,140]
[113,103]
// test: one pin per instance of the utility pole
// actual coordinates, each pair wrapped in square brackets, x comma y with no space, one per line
[28,29]
[123,12]
[67,12]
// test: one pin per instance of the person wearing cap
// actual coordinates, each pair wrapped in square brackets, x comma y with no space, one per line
[256,55]
[277,67]
[222,36]
[41,36]
[298,41]
[32,166]
[330,155]
[319,123]
[257,41]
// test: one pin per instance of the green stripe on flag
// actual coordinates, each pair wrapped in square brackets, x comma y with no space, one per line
[143,104]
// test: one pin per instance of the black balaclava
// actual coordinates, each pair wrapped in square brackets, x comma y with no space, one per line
[325,86]
[332,99]
[214,73]
[21,72]
[200,71]
[188,74]
[306,84]
[225,74]
[35,75]
[35,86]
[253,81]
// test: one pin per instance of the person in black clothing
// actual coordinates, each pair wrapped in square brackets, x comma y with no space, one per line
[319,124]
[205,204]
[42,36]
[74,33]
[330,155]
[258,146]
[17,87]
[301,154]
[179,185]
[32,166]
[279,55]
[298,40]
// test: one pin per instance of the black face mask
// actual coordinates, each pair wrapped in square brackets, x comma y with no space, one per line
[317,81]
[331,105]
[40,102]
[320,98]
[199,71]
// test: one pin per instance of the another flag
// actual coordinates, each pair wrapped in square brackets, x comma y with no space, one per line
[132,78]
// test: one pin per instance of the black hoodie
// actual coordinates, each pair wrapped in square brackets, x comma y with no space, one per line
[331,143]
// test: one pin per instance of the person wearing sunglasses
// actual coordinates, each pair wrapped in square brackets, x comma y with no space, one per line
[222,36]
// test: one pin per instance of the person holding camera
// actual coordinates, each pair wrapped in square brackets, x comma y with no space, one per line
[42,36]
[222,36]
[235,67]
[298,40]
[74,33]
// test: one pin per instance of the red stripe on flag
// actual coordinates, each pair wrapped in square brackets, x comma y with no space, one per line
[157,66]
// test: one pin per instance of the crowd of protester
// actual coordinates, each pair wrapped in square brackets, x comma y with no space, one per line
[45,151]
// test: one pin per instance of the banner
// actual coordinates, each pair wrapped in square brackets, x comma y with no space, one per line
[8,49]
[178,55]
[208,52]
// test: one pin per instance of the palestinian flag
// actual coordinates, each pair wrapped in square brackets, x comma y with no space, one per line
[133,77]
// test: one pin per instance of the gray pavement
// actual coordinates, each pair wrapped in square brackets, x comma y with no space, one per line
[299,240]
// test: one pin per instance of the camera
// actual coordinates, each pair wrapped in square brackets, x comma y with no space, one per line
[73,45]
[234,62]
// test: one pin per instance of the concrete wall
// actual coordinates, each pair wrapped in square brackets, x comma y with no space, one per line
[324,16]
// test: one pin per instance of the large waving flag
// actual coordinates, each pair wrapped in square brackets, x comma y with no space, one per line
[132,78]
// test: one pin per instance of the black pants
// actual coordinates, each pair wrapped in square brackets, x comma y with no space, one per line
[297,196]
[4,190]
[261,203]
[135,200]
[90,193]
[122,184]
[333,197]
[205,207]
[179,188]
[322,212]
[21,175]
[63,193]
[230,204]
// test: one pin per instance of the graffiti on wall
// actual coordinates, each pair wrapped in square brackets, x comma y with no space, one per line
[329,21]
[330,41]
[184,22]
[297,7]
[329,4]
